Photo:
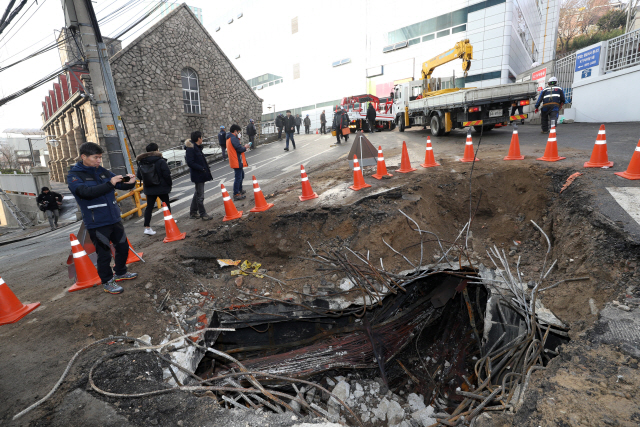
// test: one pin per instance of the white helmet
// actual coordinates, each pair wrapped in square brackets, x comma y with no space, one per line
[553,81]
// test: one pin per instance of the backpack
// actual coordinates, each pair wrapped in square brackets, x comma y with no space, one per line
[149,174]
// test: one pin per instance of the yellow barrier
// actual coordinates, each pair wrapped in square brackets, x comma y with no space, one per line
[135,193]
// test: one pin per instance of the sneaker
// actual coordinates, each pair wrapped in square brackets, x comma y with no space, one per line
[149,231]
[286,149]
[125,276]
[239,197]
[544,131]
[205,217]
[193,216]
[112,287]
[243,191]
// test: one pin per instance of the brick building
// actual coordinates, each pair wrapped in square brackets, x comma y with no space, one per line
[171,80]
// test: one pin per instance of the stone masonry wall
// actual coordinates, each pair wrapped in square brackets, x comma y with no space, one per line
[147,77]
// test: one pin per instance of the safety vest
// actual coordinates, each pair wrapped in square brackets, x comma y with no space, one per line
[552,96]
[233,156]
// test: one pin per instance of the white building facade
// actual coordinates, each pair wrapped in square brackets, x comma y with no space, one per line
[308,55]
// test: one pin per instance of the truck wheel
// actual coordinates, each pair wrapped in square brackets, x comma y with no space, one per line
[401,125]
[436,126]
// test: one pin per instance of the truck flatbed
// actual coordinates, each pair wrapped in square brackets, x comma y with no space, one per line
[480,96]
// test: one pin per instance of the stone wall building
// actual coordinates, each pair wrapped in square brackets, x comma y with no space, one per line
[170,81]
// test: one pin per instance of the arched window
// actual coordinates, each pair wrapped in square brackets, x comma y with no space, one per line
[190,91]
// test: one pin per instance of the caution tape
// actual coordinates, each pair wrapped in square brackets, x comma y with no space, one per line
[473,123]
[518,117]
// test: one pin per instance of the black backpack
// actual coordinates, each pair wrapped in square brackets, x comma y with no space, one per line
[149,174]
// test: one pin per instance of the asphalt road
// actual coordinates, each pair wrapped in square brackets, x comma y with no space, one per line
[276,169]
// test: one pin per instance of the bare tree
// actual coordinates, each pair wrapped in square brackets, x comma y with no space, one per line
[579,17]
[8,158]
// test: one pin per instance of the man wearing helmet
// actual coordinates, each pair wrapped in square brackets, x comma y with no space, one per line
[552,99]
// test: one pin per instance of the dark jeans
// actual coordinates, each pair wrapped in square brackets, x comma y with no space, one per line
[197,203]
[323,128]
[151,201]
[372,125]
[338,134]
[279,134]
[298,129]
[290,135]
[548,114]
[252,140]
[306,129]
[237,181]
[53,216]
[224,152]
[100,237]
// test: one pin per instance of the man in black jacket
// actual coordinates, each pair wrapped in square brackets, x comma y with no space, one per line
[307,124]
[200,173]
[340,121]
[280,125]
[50,202]
[323,123]
[222,140]
[298,123]
[155,175]
[371,117]
[251,133]
[289,128]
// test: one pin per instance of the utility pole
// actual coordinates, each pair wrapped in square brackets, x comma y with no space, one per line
[81,18]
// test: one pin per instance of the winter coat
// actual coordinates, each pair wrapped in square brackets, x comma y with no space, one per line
[289,123]
[236,152]
[279,121]
[371,113]
[298,120]
[162,169]
[341,120]
[323,118]
[50,200]
[307,121]
[251,130]
[197,163]
[222,138]
[95,194]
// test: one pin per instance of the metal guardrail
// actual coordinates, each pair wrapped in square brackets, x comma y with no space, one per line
[623,51]
[564,72]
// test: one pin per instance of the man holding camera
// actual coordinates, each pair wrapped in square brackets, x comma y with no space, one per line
[94,189]
[50,202]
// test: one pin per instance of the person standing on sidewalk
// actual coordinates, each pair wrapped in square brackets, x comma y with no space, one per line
[94,189]
[280,125]
[155,175]
[237,161]
[200,173]
[251,133]
[298,123]
[307,124]
[222,140]
[323,123]
[50,202]
[289,128]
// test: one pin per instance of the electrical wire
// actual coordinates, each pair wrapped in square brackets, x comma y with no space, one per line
[149,13]
[32,86]
[45,49]
[21,16]
[144,27]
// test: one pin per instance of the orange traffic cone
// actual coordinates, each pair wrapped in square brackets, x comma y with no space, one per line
[514,148]
[132,256]
[86,273]
[405,163]
[429,158]
[171,229]
[381,171]
[11,309]
[358,178]
[316,131]
[307,192]
[633,170]
[230,211]
[469,155]
[551,151]
[599,156]
[261,203]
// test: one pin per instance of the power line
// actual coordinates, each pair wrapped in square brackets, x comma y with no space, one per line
[149,13]
[7,18]
[36,53]
[33,86]
[28,19]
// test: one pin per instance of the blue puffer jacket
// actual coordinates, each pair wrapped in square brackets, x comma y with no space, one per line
[197,162]
[94,193]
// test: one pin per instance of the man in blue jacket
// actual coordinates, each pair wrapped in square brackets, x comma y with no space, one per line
[200,173]
[552,99]
[222,140]
[94,189]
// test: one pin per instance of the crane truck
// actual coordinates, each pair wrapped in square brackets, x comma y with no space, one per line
[427,103]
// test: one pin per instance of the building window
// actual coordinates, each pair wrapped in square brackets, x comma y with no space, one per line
[190,91]
[443,33]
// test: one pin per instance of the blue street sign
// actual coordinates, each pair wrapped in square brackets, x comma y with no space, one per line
[588,58]
[586,73]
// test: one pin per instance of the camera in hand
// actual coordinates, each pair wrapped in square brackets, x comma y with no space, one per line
[126,178]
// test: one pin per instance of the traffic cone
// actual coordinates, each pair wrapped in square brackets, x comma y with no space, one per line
[429,158]
[514,148]
[405,163]
[132,256]
[86,273]
[230,211]
[551,151]
[469,155]
[381,171]
[316,131]
[261,203]
[171,229]
[11,309]
[599,156]
[307,192]
[358,178]
[633,171]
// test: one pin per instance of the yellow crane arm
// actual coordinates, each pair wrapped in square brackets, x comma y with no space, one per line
[462,50]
